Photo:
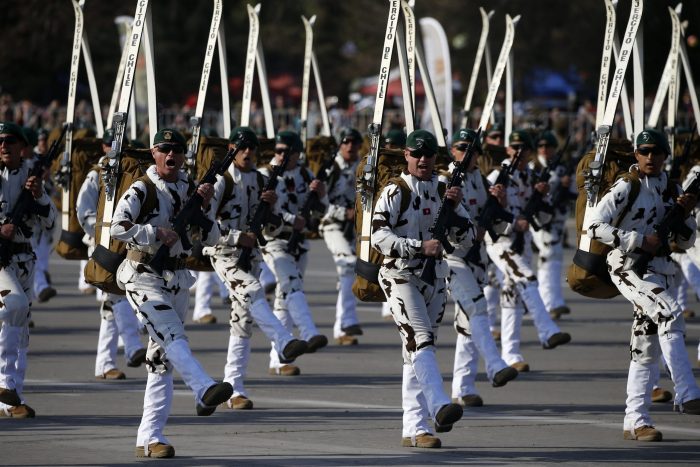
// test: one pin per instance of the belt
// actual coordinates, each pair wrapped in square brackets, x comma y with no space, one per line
[171,264]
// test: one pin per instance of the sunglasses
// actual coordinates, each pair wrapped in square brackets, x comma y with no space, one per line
[545,145]
[461,147]
[517,147]
[280,150]
[645,151]
[167,148]
[8,139]
[418,153]
[495,136]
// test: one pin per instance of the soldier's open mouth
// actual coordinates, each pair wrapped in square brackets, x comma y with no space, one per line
[170,163]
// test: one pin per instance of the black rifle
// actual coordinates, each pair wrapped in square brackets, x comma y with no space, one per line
[673,222]
[493,212]
[312,202]
[263,213]
[349,226]
[446,217]
[191,213]
[25,204]
[536,202]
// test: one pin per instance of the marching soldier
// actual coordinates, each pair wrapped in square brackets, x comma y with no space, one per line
[520,286]
[235,201]
[550,238]
[658,326]
[290,301]
[161,301]
[417,307]
[17,270]
[341,214]
[117,317]
[466,282]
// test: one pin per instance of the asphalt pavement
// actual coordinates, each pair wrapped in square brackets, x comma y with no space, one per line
[345,407]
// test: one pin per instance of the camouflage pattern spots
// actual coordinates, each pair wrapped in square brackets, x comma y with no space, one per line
[516,270]
[15,289]
[417,309]
[466,285]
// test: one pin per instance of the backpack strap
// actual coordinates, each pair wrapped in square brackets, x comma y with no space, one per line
[228,190]
[405,193]
[150,202]
[636,186]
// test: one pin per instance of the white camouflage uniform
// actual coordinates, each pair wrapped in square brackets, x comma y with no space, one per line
[550,242]
[466,283]
[117,317]
[291,306]
[161,303]
[341,196]
[16,279]
[519,281]
[417,308]
[248,301]
[658,326]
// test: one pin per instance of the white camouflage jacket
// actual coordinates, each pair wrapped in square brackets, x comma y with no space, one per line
[647,210]
[341,193]
[398,236]
[171,197]
[11,185]
[292,190]
[86,205]
[518,192]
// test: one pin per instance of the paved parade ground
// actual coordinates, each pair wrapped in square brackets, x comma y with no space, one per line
[345,407]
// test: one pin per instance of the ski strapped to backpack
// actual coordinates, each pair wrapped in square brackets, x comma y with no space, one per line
[483,38]
[366,285]
[107,256]
[588,275]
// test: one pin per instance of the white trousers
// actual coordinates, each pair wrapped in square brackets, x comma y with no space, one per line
[549,264]
[344,259]
[204,291]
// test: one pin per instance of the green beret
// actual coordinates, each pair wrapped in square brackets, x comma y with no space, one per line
[10,128]
[42,133]
[467,135]
[422,140]
[549,138]
[520,137]
[291,139]
[246,132]
[31,136]
[495,128]
[396,137]
[350,133]
[168,135]
[651,136]
[108,136]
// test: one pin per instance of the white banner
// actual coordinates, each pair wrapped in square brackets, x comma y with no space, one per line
[437,58]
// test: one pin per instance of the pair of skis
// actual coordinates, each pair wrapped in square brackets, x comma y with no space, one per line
[255,58]
[215,41]
[311,65]
[595,169]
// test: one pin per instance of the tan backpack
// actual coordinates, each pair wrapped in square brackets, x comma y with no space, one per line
[101,268]
[588,274]
[210,149]
[86,153]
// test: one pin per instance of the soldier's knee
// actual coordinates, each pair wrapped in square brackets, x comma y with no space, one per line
[242,328]
[15,309]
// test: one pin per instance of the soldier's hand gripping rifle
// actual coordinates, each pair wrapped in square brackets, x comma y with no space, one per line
[191,213]
[493,212]
[536,202]
[312,203]
[446,217]
[25,204]
[263,213]
[673,223]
